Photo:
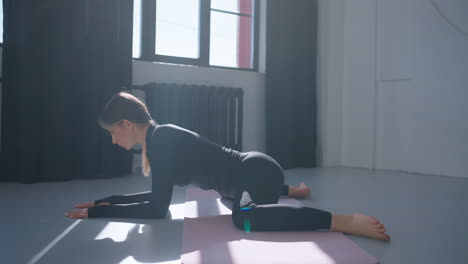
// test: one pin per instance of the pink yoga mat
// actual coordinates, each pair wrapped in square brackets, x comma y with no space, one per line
[210,237]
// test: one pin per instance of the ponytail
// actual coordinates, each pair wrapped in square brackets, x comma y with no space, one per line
[145,165]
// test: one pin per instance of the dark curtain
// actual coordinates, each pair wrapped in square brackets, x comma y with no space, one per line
[290,82]
[62,60]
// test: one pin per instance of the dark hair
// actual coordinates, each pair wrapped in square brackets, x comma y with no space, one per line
[124,106]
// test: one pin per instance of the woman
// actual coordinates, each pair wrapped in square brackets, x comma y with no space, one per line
[176,156]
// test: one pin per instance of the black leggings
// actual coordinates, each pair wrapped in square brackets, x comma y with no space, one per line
[263,180]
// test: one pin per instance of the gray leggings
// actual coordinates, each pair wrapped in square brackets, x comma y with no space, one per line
[263,180]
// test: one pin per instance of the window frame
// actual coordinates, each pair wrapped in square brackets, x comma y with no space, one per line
[3,24]
[148,37]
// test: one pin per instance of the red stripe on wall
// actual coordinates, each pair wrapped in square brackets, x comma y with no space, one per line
[244,44]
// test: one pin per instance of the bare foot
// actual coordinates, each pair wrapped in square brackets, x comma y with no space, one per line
[361,225]
[300,191]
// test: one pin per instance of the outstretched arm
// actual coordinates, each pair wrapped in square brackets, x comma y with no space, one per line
[156,207]
[118,199]
[157,201]
[126,198]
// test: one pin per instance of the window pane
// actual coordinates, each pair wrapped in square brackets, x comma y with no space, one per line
[1,21]
[237,6]
[231,40]
[177,28]
[136,28]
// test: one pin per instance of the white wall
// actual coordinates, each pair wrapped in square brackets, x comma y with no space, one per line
[401,72]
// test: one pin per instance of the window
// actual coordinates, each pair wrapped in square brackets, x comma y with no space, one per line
[1,22]
[215,33]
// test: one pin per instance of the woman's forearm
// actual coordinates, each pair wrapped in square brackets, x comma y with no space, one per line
[126,198]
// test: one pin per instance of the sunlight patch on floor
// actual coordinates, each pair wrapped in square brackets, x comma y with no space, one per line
[177,211]
[131,260]
[244,250]
[116,231]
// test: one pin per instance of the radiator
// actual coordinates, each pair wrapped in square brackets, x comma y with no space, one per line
[214,112]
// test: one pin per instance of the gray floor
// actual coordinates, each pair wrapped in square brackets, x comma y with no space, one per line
[424,214]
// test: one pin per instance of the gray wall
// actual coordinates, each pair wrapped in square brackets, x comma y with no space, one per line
[393,78]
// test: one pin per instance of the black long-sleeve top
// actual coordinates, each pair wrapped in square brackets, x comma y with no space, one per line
[177,156]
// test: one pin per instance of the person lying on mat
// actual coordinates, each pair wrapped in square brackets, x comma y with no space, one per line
[177,156]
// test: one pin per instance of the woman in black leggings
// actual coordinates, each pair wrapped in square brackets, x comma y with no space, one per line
[177,156]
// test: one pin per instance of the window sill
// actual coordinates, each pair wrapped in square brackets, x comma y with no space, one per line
[197,66]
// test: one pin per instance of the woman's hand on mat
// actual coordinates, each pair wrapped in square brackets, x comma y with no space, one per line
[88,205]
[78,214]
